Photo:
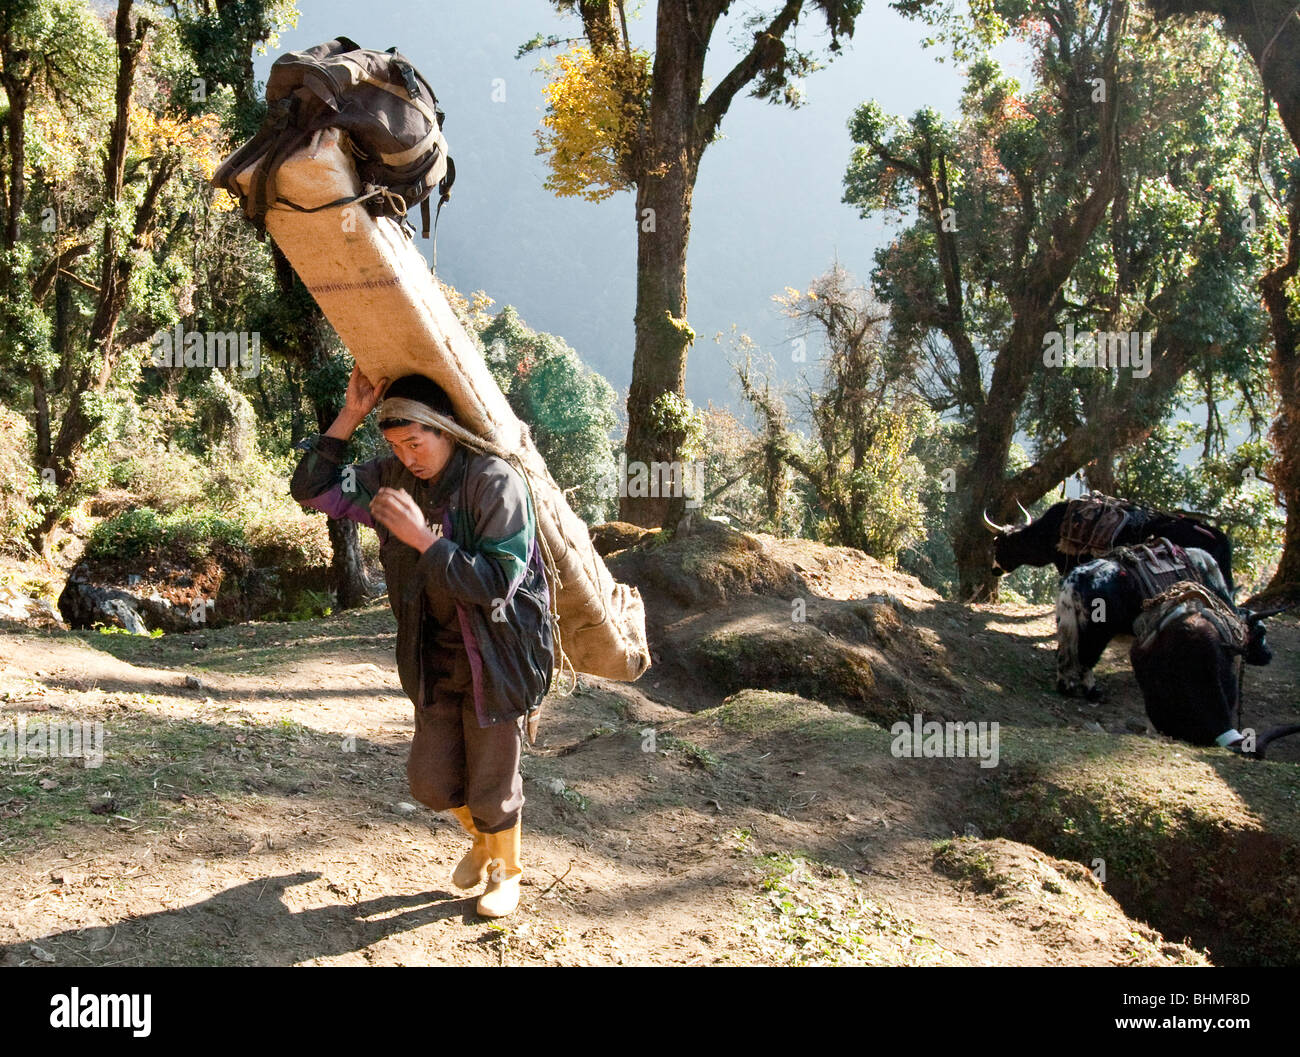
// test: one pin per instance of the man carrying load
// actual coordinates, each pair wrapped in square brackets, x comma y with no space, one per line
[458,543]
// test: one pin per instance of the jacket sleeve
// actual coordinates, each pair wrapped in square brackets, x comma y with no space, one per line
[321,482]
[504,528]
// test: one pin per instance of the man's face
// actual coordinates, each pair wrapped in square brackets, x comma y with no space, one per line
[421,450]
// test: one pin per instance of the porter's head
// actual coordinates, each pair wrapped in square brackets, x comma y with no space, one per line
[422,446]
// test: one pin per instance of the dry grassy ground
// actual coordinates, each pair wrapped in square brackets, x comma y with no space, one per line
[262,817]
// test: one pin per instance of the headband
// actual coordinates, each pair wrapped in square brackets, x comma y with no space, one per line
[399,407]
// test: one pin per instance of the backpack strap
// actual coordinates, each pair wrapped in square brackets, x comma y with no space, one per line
[444,193]
[264,176]
[225,177]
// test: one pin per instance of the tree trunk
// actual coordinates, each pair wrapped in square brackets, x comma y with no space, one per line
[15,121]
[350,582]
[995,428]
[662,340]
[1286,430]
[349,569]
[663,215]
[1270,30]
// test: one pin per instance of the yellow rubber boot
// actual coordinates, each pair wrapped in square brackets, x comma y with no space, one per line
[472,870]
[504,871]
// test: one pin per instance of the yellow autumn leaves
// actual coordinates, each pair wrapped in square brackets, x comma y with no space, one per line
[61,141]
[596,105]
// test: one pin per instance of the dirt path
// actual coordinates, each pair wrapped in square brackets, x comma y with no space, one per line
[262,817]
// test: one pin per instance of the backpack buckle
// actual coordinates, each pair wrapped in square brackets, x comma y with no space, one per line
[407,74]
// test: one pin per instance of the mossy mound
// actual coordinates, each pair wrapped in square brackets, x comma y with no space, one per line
[1198,842]
[707,566]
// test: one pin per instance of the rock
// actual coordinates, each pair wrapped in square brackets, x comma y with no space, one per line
[123,616]
[555,785]
[885,599]
[193,682]
[404,808]
[180,593]
[105,804]
[1093,726]
[1136,725]
[973,830]
[83,605]
[13,606]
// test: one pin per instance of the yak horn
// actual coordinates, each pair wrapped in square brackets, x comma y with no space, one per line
[1263,741]
[991,525]
[1028,516]
[1264,614]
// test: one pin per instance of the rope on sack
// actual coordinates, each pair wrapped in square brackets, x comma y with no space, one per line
[414,411]
[396,203]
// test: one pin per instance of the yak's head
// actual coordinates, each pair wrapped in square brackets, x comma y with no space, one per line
[1257,649]
[1011,549]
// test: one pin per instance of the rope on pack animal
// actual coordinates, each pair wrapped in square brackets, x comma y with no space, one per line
[1189,597]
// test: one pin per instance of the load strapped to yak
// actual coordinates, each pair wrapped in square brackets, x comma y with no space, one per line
[1186,598]
[349,128]
[1157,566]
[1092,524]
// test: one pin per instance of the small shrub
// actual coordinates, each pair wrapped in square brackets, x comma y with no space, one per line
[186,534]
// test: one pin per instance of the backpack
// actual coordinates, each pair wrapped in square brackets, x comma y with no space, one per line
[387,109]
[516,646]
[516,641]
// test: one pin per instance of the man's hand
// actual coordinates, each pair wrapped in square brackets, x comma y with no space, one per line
[397,511]
[358,402]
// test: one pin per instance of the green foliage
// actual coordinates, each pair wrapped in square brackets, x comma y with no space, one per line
[20,484]
[193,493]
[185,534]
[109,629]
[308,605]
[930,557]
[1230,488]
[862,460]
[674,416]
[883,491]
[221,40]
[568,407]
[1175,255]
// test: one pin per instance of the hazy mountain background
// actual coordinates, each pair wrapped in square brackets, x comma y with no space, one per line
[767,205]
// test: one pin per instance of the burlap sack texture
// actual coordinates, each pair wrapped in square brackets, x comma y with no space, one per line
[375,287]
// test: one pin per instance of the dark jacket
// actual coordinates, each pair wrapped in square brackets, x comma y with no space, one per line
[442,597]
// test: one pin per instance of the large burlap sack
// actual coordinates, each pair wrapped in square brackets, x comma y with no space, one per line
[375,287]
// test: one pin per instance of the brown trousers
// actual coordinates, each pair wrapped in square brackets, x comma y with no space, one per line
[454,762]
